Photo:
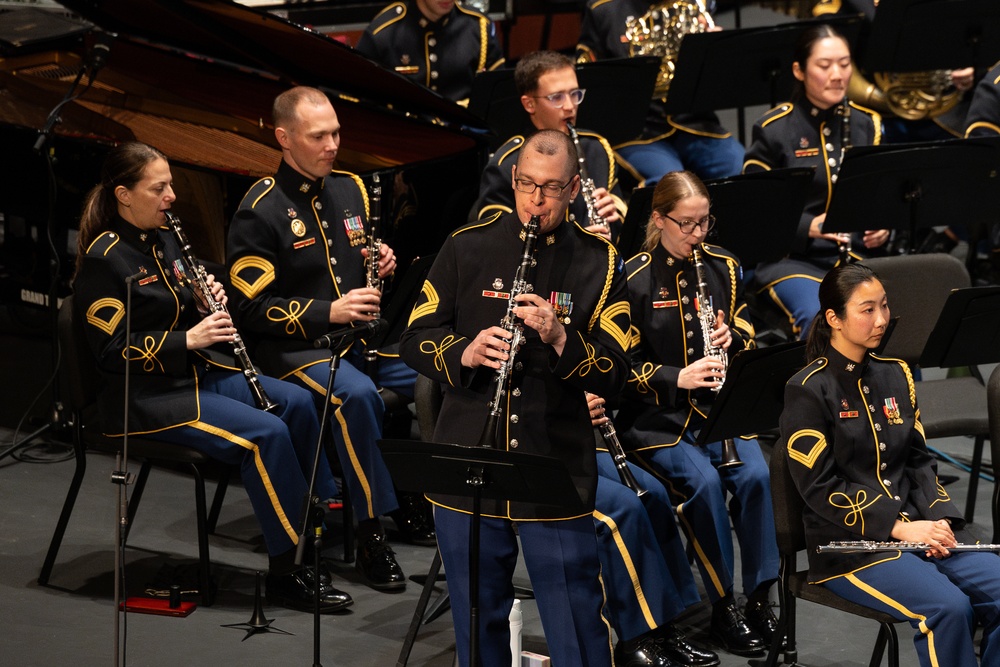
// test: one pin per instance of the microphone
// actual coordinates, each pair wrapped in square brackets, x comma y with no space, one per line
[135,276]
[98,55]
[338,337]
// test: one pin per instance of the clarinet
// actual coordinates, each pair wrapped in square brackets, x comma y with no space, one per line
[707,317]
[617,452]
[512,325]
[844,111]
[371,266]
[586,182]
[862,546]
[197,280]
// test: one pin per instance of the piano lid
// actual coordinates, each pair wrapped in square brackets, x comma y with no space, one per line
[197,79]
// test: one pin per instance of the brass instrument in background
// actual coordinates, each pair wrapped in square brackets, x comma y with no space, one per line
[197,279]
[371,266]
[660,30]
[515,327]
[866,546]
[908,95]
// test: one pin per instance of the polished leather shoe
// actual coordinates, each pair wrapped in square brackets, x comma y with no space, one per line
[376,563]
[730,629]
[295,590]
[683,651]
[761,620]
[413,520]
[642,652]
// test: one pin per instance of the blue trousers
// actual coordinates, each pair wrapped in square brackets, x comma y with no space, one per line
[942,600]
[708,157]
[646,574]
[699,488]
[798,297]
[274,450]
[565,572]
[356,412]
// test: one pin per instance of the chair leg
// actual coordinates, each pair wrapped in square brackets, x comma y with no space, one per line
[893,642]
[348,519]
[218,498]
[204,564]
[67,510]
[880,641]
[136,495]
[977,465]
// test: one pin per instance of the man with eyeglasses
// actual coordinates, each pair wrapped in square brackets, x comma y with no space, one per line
[438,44]
[694,141]
[550,94]
[576,324]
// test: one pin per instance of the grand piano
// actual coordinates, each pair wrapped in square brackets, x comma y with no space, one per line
[196,78]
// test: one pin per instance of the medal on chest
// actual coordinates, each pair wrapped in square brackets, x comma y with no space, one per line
[562,304]
[891,410]
[354,229]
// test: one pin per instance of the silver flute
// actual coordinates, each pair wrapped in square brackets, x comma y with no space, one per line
[862,546]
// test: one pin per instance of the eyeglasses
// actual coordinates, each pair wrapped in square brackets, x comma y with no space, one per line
[558,100]
[687,226]
[548,190]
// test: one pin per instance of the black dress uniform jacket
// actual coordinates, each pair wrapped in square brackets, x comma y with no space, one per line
[546,411]
[803,135]
[602,36]
[294,248]
[163,373]
[444,56]
[667,337]
[858,457]
[496,193]
[983,119]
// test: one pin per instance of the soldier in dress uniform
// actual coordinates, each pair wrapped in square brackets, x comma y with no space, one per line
[550,94]
[437,43]
[697,142]
[858,457]
[184,386]
[814,130]
[576,340]
[296,253]
[668,398]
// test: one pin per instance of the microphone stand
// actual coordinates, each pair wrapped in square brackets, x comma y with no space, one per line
[312,510]
[121,476]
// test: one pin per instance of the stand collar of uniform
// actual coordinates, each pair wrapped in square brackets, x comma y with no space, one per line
[425,22]
[842,364]
[519,229]
[295,185]
[140,238]
[814,111]
[660,254]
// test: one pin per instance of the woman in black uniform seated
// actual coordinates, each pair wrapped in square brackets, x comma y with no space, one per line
[857,455]
[813,130]
[181,389]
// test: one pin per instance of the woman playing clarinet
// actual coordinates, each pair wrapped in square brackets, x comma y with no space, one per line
[858,458]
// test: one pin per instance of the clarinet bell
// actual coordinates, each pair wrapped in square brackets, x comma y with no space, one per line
[730,457]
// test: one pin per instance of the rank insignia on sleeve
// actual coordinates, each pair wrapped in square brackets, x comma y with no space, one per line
[891,410]
[849,414]
[355,230]
[298,227]
[562,304]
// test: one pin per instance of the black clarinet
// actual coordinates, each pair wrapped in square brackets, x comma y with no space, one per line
[844,110]
[617,452]
[515,327]
[197,280]
[371,267]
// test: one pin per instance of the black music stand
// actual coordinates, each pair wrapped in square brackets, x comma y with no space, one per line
[917,35]
[640,207]
[476,472]
[618,92]
[912,186]
[967,332]
[753,395]
[755,63]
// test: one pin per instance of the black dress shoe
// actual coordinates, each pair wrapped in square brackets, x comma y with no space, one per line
[683,651]
[642,652]
[413,520]
[761,620]
[295,590]
[730,629]
[376,563]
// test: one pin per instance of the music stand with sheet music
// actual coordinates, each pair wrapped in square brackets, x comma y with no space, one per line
[753,395]
[618,92]
[477,473]
[912,186]
[967,332]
